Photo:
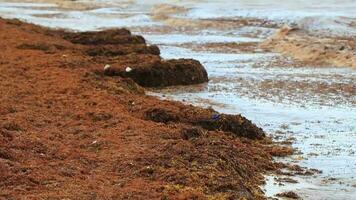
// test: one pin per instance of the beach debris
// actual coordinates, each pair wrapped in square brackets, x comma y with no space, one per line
[216,116]
[107,67]
[128,69]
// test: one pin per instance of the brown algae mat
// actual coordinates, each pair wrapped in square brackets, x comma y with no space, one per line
[70,129]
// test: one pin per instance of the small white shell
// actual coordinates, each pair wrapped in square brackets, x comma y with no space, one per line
[128,69]
[106,67]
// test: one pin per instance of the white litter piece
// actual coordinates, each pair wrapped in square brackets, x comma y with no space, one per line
[107,67]
[128,69]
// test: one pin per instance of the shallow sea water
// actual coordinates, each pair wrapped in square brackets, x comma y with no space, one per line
[313,107]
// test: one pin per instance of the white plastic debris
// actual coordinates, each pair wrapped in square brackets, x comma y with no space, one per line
[128,69]
[106,67]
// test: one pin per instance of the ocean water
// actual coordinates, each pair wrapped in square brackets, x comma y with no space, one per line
[313,107]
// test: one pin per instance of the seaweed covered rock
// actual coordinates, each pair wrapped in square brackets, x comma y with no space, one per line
[163,73]
[236,124]
[207,119]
